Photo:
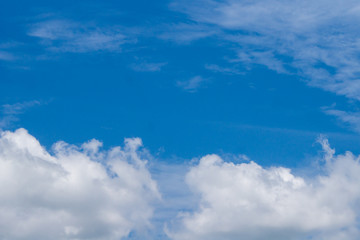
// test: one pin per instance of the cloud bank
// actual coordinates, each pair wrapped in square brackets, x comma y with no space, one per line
[247,201]
[74,193]
[87,193]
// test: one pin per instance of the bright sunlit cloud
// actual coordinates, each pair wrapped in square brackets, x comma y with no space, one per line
[74,193]
[248,201]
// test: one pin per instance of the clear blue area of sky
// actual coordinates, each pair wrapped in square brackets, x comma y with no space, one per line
[273,118]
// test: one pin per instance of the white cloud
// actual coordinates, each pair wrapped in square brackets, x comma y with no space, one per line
[192,84]
[316,39]
[69,36]
[247,201]
[75,193]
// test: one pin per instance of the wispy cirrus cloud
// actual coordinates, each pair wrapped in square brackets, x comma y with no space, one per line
[10,112]
[70,36]
[185,33]
[191,85]
[225,70]
[350,119]
[317,40]
[6,56]
[147,66]
[6,51]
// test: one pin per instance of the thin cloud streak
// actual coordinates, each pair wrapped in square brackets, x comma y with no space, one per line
[191,85]
[147,67]
[350,119]
[10,112]
[316,40]
[70,36]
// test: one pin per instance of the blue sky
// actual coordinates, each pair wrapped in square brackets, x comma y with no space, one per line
[262,79]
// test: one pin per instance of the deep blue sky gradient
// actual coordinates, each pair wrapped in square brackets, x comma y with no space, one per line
[271,117]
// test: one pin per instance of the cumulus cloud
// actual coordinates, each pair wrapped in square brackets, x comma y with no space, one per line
[75,193]
[248,201]
[70,36]
[314,39]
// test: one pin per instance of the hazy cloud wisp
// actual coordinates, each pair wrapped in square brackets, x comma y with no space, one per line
[70,36]
[316,39]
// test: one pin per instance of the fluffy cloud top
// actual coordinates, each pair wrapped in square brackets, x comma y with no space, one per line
[247,201]
[75,193]
[85,193]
